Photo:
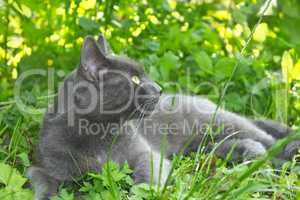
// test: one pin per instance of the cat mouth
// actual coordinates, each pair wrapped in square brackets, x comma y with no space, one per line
[148,106]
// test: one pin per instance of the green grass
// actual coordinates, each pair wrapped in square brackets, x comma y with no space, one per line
[198,176]
[217,179]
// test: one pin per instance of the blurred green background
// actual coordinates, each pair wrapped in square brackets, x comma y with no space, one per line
[195,43]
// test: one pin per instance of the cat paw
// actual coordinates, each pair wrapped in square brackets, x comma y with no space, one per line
[44,185]
[253,150]
[241,149]
[160,175]
[276,129]
[291,150]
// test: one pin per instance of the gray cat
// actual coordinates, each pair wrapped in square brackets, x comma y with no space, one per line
[108,108]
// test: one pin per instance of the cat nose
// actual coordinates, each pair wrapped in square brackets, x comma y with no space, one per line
[151,88]
[157,88]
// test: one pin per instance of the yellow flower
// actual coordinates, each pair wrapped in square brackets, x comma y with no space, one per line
[54,37]
[79,40]
[88,4]
[14,73]
[287,66]
[296,71]
[153,19]
[185,27]
[50,62]
[172,4]
[177,16]
[261,32]
[15,42]
[137,32]
[61,42]
[238,30]
[221,15]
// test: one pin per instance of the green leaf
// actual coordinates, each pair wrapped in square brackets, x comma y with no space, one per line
[224,67]
[64,195]
[87,24]
[203,61]
[142,190]
[234,102]
[168,62]
[15,194]
[10,176]
[25,160]
[152,45]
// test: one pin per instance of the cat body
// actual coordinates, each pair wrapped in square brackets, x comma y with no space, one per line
[180,117]
[76,137]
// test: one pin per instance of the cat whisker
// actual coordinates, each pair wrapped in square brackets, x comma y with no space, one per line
[142,116]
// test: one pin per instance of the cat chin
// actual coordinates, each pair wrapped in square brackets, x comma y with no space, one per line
[141,113]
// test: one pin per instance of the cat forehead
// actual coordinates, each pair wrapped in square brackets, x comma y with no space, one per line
[123,61]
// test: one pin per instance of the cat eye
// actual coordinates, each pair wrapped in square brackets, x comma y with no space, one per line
[136,80]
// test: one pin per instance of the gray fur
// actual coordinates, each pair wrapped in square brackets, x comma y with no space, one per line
[66,150]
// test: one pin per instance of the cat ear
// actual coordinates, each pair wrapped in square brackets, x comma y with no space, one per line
[104,45]
[91,58]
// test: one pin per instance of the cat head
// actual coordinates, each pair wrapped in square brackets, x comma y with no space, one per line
[112,87]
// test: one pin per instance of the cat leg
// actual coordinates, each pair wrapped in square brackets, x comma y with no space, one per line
[280,131]
[147,164]
[273,128]
[243,128]
[57,167]
[240,149]
[148,168]
[291,149]
[43,184]
[160,170]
